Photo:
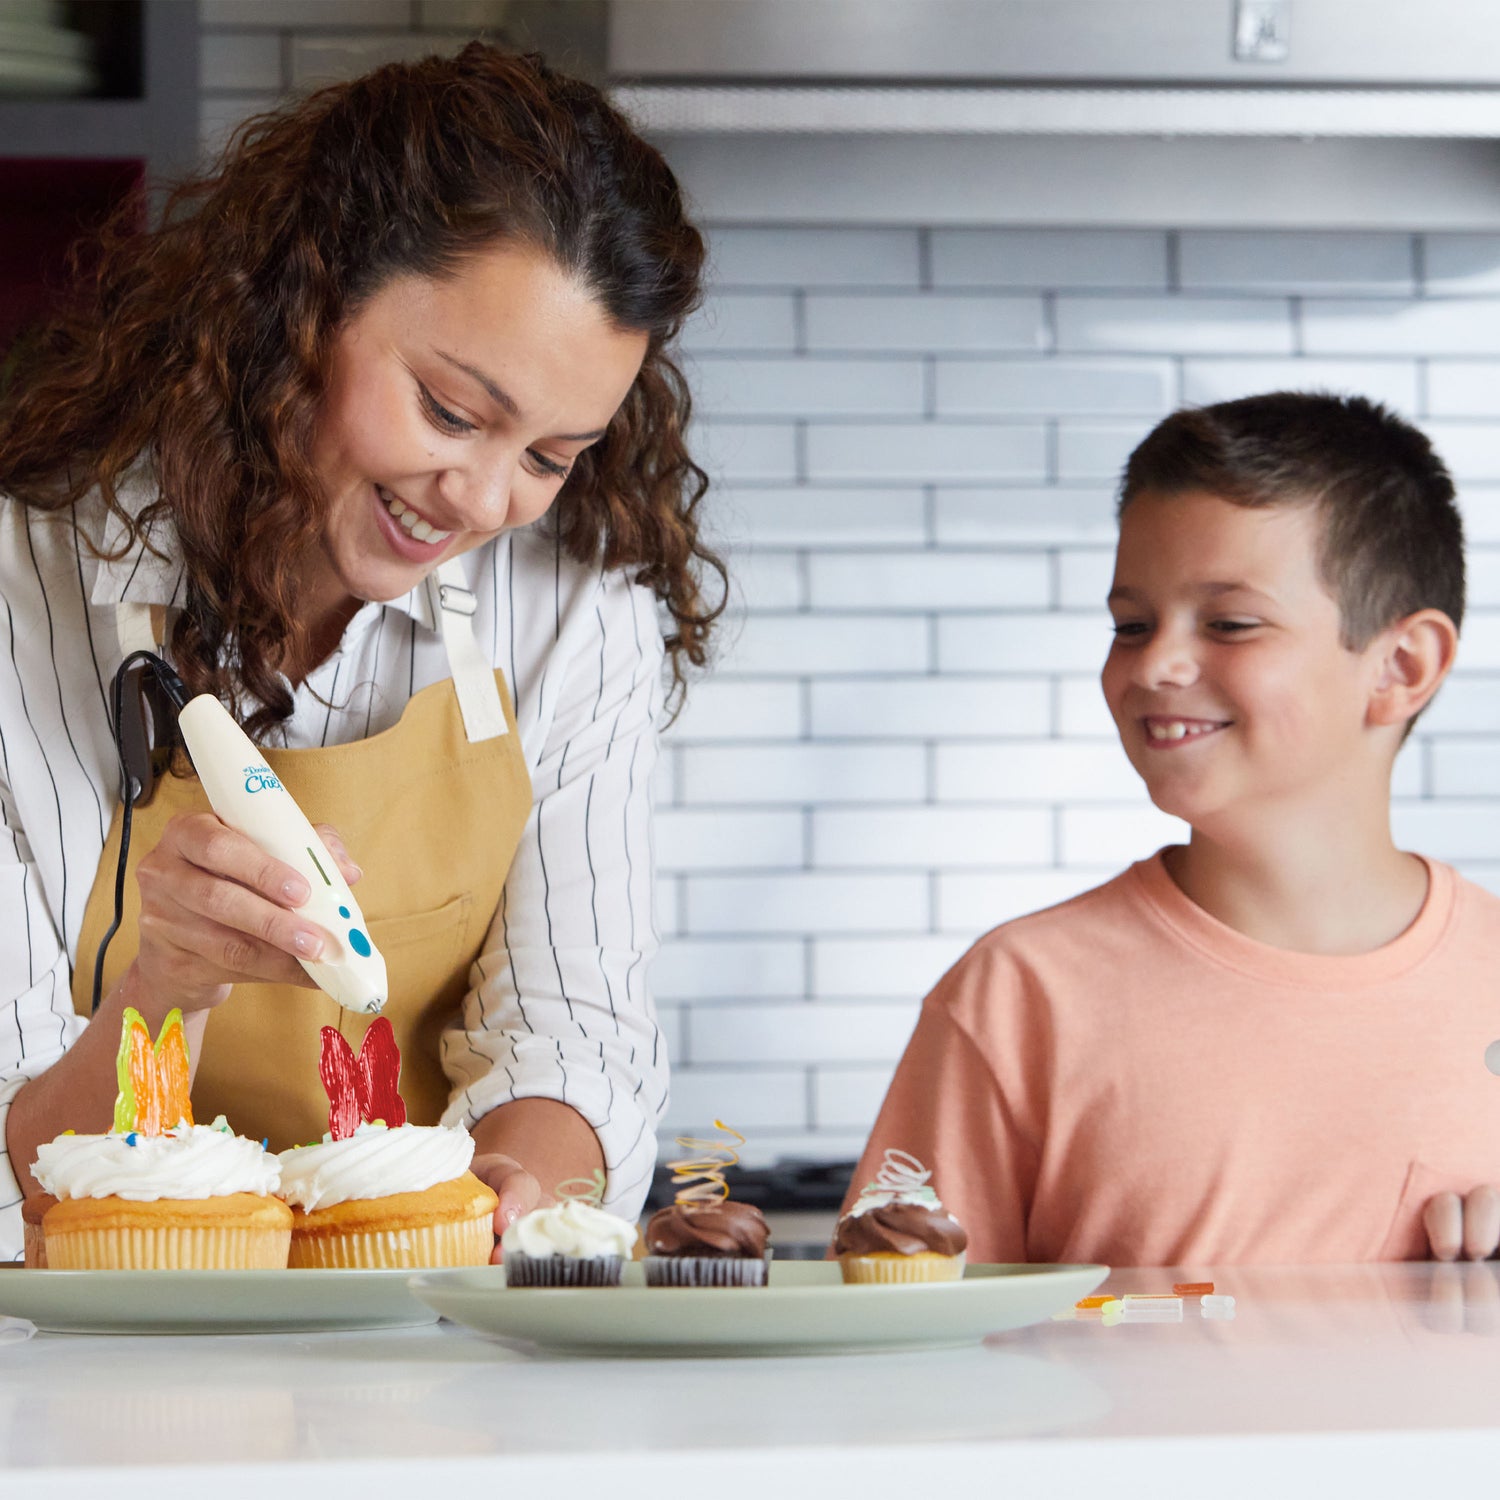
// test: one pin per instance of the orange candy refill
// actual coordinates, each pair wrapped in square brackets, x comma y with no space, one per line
[1193,1289]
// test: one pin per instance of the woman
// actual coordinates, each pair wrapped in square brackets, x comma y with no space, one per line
[297,437]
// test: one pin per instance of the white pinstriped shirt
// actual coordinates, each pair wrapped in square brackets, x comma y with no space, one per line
[559,1006]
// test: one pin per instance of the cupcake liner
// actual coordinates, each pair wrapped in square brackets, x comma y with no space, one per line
[561,1270]
[464,1243]
[168,1247]
[707,1270]
[890,1269]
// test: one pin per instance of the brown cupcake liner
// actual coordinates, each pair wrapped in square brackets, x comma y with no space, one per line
[561,1270]
[707,1270]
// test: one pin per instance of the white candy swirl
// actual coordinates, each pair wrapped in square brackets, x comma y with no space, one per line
[573,1228]
[374,1162]
[192,1161]
[901,1179]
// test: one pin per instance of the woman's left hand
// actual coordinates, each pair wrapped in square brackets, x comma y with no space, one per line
[519,1192]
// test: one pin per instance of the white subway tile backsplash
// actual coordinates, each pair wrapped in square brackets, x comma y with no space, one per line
[928,321]
[762,580]
[743,321]
[1393,383]
[927,453]
[947,838]
[808,904]
[1461,264]
[1174,325]
[734,451]
[316,60]
[1054,386]
[1432,327]
[931,708]
[240,60]
[1041,642]
[814,386]
[720,838]
[849,1096]
[666,905]
[1084,576]
[1120,259]
[813,257]
[750,1098]
[1469,767]
[219,115]
[881,968]
[929,580]
[726,775]
[720,709]
[1482,581]
[1470,449]
[690,969]
[1479,505]
[1026,517]
[1463,388]
[829,1031]
[307,15]
[1479,646]
[1115,836]
[1095,450]
[970,903]
[1468,703]
[1081,711]
[818,645]
[1036,771]
[1451,829]
[1302,261]
[815,517]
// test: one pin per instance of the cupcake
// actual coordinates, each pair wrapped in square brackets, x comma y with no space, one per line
[148,1196]
[705,1238]
[897,1229]
[572,1243]
[375,1192]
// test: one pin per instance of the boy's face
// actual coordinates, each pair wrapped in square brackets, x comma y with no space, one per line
[1227,681]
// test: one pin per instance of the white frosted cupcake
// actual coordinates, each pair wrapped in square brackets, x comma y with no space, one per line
[572,1243]
[388,1198]
[194,1197]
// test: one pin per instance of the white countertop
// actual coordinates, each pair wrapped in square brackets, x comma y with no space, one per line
[1371,1380]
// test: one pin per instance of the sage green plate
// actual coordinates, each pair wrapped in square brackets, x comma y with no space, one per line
[805,1309]
[210,1301]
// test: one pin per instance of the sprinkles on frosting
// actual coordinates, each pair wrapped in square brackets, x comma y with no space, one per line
[704,1173]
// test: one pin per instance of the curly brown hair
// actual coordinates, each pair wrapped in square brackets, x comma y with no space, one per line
[200,349]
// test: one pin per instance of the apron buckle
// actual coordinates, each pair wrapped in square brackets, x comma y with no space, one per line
[456,600]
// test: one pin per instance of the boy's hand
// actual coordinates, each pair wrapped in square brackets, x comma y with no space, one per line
[1469,1225]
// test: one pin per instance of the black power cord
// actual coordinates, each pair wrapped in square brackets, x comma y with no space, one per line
[132,733]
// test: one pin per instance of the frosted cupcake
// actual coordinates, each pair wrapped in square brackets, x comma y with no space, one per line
[376,1192]
[897,1230]
[704,1238]
[572,1243]
[147,1196]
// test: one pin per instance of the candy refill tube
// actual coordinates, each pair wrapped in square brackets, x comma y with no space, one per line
[249,797]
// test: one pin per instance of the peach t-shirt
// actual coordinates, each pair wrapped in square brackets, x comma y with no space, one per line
[1124,1079]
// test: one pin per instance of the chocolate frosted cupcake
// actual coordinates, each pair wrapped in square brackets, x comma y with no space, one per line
[897,1230]
[705,1238]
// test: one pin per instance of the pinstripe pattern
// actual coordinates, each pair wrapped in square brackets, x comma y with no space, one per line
[557,1008]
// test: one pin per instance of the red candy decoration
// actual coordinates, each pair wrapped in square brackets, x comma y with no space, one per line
[363,1090]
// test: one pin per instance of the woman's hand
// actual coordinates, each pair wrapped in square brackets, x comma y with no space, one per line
[216,911]
[1467,1226]
[518,1190]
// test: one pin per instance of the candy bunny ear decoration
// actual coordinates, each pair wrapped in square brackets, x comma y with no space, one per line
[364,1089]
[153,1078]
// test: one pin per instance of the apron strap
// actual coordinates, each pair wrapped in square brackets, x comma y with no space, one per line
[453,606]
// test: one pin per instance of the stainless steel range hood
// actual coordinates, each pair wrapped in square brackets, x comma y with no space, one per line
[1389,68]
[1294,113]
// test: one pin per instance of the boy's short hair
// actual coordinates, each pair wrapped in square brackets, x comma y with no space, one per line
[1392,539]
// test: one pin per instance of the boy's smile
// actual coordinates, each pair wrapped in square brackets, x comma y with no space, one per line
[1227,679]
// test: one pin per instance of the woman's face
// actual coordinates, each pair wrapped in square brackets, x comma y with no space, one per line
[455,410]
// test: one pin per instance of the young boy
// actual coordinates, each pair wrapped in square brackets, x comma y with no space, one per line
[1267,1045]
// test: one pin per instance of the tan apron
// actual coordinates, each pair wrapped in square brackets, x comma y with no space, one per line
[432,809]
